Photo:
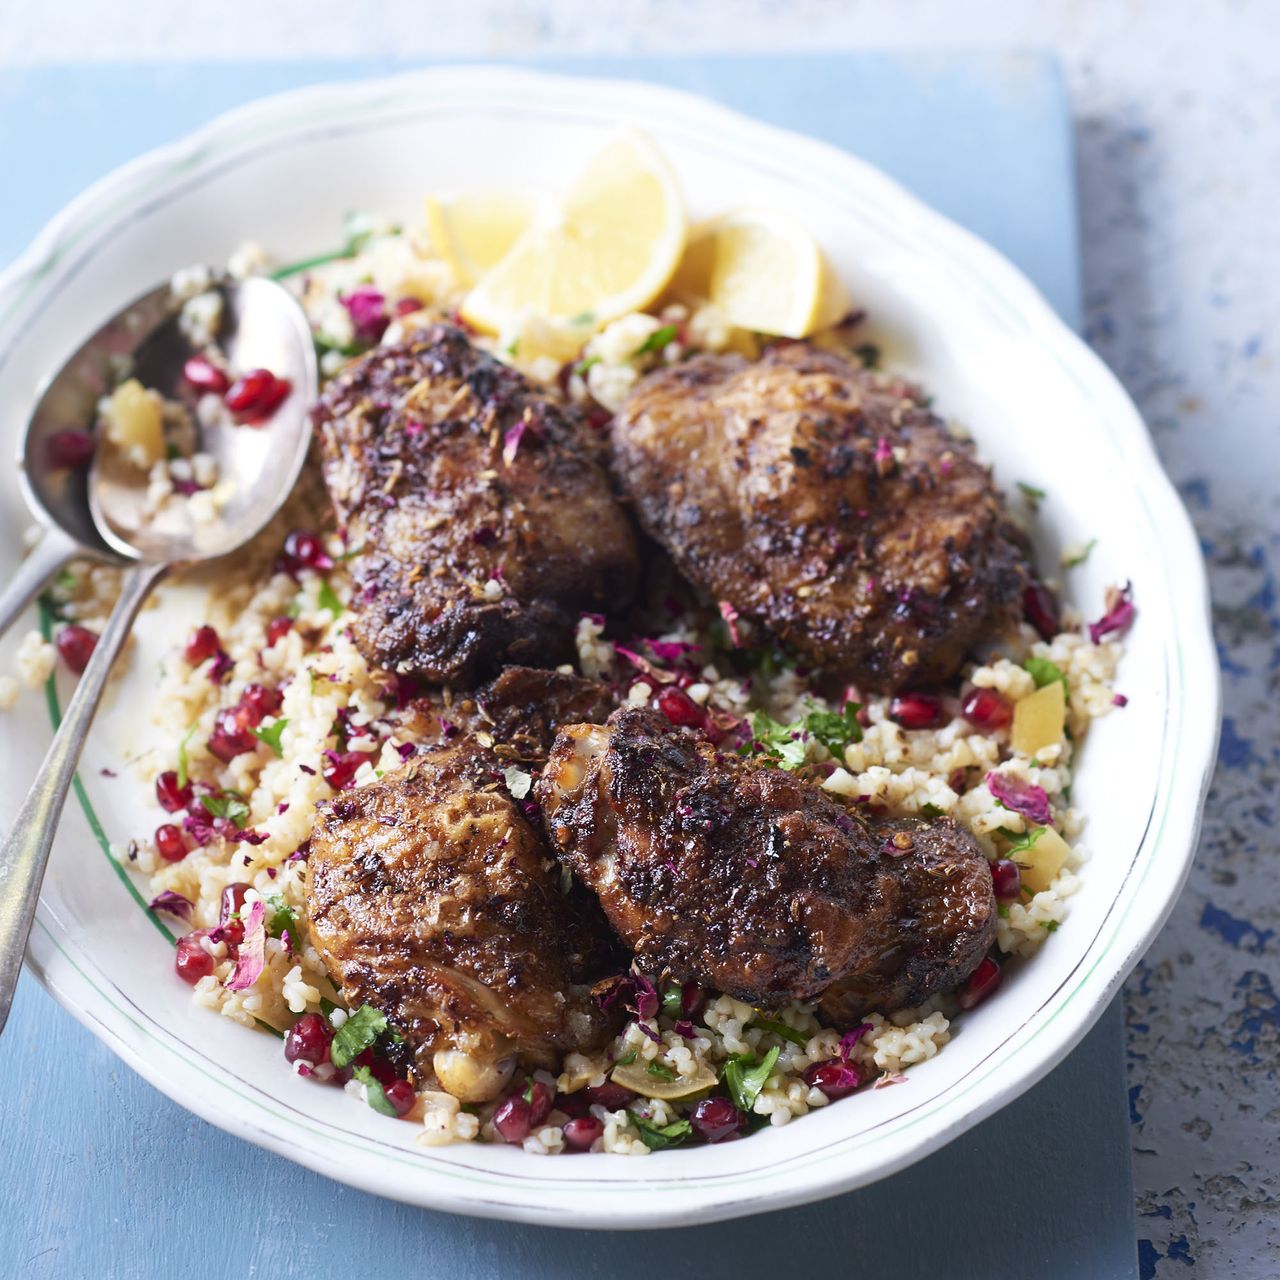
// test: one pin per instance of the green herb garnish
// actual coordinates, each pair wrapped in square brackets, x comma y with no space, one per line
[513,348]
[661,1070]
[1044,672]
[781,1030]
[835,729]
[932,811]
[374,1093]
[869,354]
[626,1060]
[271,735]
[783,744]
[282,917]
[655,1138]
[1070,562]
[1033,495]
[1022,841]
[65,581]
[355,1035]
[587,362]
[227,805]
[1002,910]
[744,1077]
[673,1001]
[183,772]
[328,599]
[582,319]
[1049,926]
[657,340]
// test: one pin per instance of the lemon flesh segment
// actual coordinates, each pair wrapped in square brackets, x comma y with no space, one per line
[474,230]
[613,249]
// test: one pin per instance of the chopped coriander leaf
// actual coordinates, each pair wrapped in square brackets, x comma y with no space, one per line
[374,1093]
[655,1139]
[781,1030]
[782,743]
[587,362]
[835,729]
[65,581]
[626,1060]
[1002,910]
[1049,926]
[513,348]
[932,811]
[295,607]
[869,354]
[327,1007]
[355,1035]
[282,917]
[744,1077]
[271,735]
[673,1001]
[324,344]
[1044,672]
[657,340]
[1080,556]
[582,319]
[227,805]
[1022,842]
[661,1070]
[1033,495]
[183,764]
[328,599]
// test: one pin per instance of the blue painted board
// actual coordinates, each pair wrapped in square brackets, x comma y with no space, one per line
[101,1175]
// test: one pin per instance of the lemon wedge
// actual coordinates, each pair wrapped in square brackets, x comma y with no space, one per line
[611,250]
[474,230]
[763,272]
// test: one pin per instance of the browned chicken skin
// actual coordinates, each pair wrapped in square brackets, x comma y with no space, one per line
[431,898]
[752,881]
[824,503]
[417,440]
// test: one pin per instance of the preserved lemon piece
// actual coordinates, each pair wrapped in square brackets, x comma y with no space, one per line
[1041,863]
[1038,719]
[474,230]
[637,1077]
[611,250]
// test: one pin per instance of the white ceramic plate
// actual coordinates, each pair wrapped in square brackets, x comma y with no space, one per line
[284,171]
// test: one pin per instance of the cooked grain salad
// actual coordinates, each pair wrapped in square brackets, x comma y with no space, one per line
[269,708]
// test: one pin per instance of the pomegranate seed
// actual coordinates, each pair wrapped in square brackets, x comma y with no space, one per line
[512,1120]
[256,395]
[379,1068]
[986,709]
[204,375]
[231,905]
[171,796]
[572,1104]
[204,644]
[303,550]
[259,701]
[76,645]
[539,1099]
[230,736]
[980,984]
[407,306]
[308,1040]
[192,962]
[277,629]
[835,1078]
[340,768]
[693,999]
[1041,608]
[681,709]
[1006,876]
[609,1095]
[169,843]
[69,449]
[916,710]
[582,1131]
[715,1119]
[401,1096]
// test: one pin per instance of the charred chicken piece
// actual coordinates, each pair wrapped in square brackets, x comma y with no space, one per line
[826,504]
[752,881]
[524,707]
[431,898]
[483,525]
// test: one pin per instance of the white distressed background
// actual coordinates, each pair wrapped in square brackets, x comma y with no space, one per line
[1178,109]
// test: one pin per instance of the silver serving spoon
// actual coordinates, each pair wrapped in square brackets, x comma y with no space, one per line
[100,510]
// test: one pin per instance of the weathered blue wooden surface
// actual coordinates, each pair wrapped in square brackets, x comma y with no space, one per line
[101,1175]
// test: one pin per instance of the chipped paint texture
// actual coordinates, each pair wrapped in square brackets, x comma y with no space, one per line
[1179,145]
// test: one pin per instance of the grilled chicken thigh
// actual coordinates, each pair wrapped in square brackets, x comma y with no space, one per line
[483,527]
[823,502]
[431,898]
[754,882]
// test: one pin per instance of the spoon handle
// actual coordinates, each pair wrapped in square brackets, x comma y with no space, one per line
[50,554]
[25,850]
